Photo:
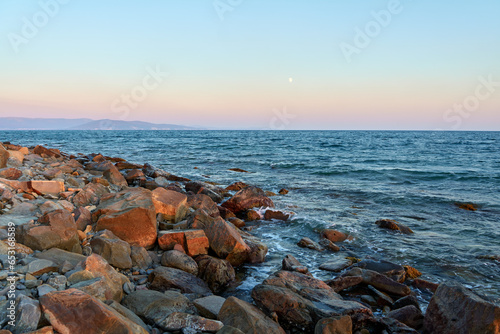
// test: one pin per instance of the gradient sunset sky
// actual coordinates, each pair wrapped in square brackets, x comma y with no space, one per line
[255,63]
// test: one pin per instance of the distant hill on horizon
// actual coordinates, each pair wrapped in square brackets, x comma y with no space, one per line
[22,123]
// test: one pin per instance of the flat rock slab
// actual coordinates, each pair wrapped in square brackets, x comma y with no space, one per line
[336,265]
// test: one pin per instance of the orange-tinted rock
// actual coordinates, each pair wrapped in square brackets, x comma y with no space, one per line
[423,284]
[237,186]
[18,248]
[253,215]
[73,311]
[193,242]
[393,225]
[467,206]
[90,194]
[130,215]
[412,273]
[4,157]
[225,213]
[11,174]
[52,173]
[217,273]
[247,198]
[127,165]
[45,152]
[333,235]
[273,214]
[205,203]
[170,205]
[283,191]
[59,230]
[47,187]
[83,218]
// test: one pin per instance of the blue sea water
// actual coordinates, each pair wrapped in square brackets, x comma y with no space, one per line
[344,179]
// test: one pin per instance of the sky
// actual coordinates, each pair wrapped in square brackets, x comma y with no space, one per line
[255,64]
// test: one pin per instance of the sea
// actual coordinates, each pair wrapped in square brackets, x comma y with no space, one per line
[344,180]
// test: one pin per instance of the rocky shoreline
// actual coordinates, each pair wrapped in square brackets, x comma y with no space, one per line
[95,244]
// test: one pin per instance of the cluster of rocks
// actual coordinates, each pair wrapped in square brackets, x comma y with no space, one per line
[103,245]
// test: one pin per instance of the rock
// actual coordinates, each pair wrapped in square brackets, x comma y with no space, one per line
[209,307]
[73,311]
[252,215]
[60,256]
[278,215]
[18,248]
[334,325]
[341,283]
[389,269]
[382,299]
[247,198]
[44,289]
[97,278]
[50,206]
[228,330]
[217,273]
[308,243]
[455,309]
[16,158]
[177,321]
[83,218]
[4,157]
[412,273]
[90,194]
[227,214]
[130,215]
[380,281]
[258,249]
[59,230]
[290,263]
[393,225]
[110,172]
[467,206]
[45,152]
[112,249]
[236,186]
[46,187]
[135,177]
[283,191]
[127,313]
[155,306]
[27,316]
[408,315]
[333,235]
[247,318]
[164,278]
[336,265]
[423,284]
[205,203]
[179,260]
[140,257]
[223,237]
[170,205]
[58,282]
[194,242]
[10,173]
[215,193]
[40,266]
[405,301]
[239,170]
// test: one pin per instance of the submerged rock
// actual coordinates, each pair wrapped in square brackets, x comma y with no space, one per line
[393,225]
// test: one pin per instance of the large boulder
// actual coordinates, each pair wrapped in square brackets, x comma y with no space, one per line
[247,318]
[455,309]
[97,278]
[177,259]
[90,194]
[170,205]
[4,157]
[223,237]
[46,152]
[46,187]
[110,172]
[217,273]
[165,278]
[73,311]
[205,203]
[194,242]
[112,249]
[247,198]
[57,229]
[130,215]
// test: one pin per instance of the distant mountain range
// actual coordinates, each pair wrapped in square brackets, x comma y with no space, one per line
[21,123]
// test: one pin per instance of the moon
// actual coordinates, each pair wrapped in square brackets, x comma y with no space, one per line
[290,80]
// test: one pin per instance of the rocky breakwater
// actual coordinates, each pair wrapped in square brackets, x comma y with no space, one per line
[103,245]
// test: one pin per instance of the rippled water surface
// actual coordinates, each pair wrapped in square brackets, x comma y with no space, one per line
[345,179]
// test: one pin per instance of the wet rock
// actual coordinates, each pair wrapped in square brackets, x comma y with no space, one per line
[209,307]
[217,273]
[257,249]
[56,306]
[467,206]
[97,278]
[223,237]
[140,257]
[423,284]
[239,170]
[226,214]
[164,278]
[10,174]
[130,215]
[389,269]
[177,321]
[252,215]
[412,273]
[112,249]
[290,263]
[333,235]
[274,214]
[283,191]
[194,242]
[334,325]
[408,315]
[59,230]
[170,205]
[248,198]
[455,309]
[237,186]
[393,225]
[179,260]
[381,298]
[327,244]
[336,265]
[380,281]
[405,301]
[247,318]
[308,243]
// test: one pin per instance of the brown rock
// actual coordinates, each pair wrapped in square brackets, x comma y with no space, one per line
[411,272]
[90,194]
[112,249]
[247,318]
[170,205]
[278,215]
[59,230]
[283,191]
[393,225]
[327,244]
[179,260]
[177,321]
[247,198]
[204,203]
[467,206]
[135,176]
[333,235]
[165,278]
[336,264]
[217,273]
[308,243]
[45,152]
[83,218]
[423,284]
[236,186]
[334,325]
[253,215]
[130,215]
[258,249]
[290,263]
[238,170]
[194,242]
[69,312]
[380,281]
[46,187]
[408,315]
[4,157]
[10,173]
[140,257]
[455,309]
